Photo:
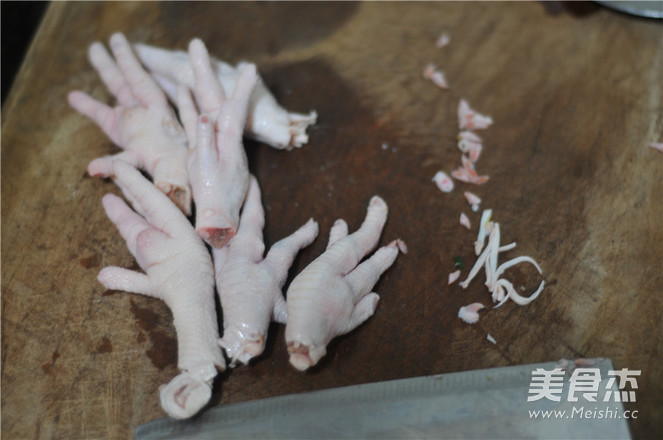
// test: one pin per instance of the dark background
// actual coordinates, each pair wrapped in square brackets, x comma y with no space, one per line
[20,20]
[19,23]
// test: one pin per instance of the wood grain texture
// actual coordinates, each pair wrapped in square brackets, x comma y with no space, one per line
[575,95]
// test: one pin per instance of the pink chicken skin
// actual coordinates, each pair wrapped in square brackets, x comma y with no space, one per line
[332,295]
[142,123]
[217,165]
[249,284]
[267,121]
[179,271]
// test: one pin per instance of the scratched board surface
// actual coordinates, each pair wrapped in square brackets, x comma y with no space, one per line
[575,93]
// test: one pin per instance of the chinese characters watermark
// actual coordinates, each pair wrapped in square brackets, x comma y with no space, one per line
[585,383]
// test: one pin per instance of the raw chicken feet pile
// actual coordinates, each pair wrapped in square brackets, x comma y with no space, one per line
[198,161]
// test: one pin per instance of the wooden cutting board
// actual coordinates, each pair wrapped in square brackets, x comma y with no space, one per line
[575,93]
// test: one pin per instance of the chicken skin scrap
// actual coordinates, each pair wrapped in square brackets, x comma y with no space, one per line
[178,270]
[332,295]
[217,165]
[249,284]
[142,123]
[267,120]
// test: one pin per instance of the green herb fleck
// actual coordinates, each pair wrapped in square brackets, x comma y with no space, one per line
[459,263]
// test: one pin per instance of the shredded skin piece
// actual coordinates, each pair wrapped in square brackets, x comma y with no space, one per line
[443,41]
[470,145]
[443,182]
[474,151]
[401,246]
[481,239]
[435,76]
[502,290]
[467,173]
[470,119]
[465,221]
[470,313]
[507,247]
[469,136]
[453,276]
[472,198]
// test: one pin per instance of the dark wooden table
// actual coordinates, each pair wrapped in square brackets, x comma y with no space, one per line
[575,92]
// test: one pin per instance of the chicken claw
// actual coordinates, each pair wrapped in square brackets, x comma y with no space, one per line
[179,271]
[142,123]
[249,284]
[332,295]
[218,167]
[267,121]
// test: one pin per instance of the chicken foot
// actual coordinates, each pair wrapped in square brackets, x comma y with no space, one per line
[179,271]
[267,121]
[217,165]
[332,295]
[142,123]
[249,284]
